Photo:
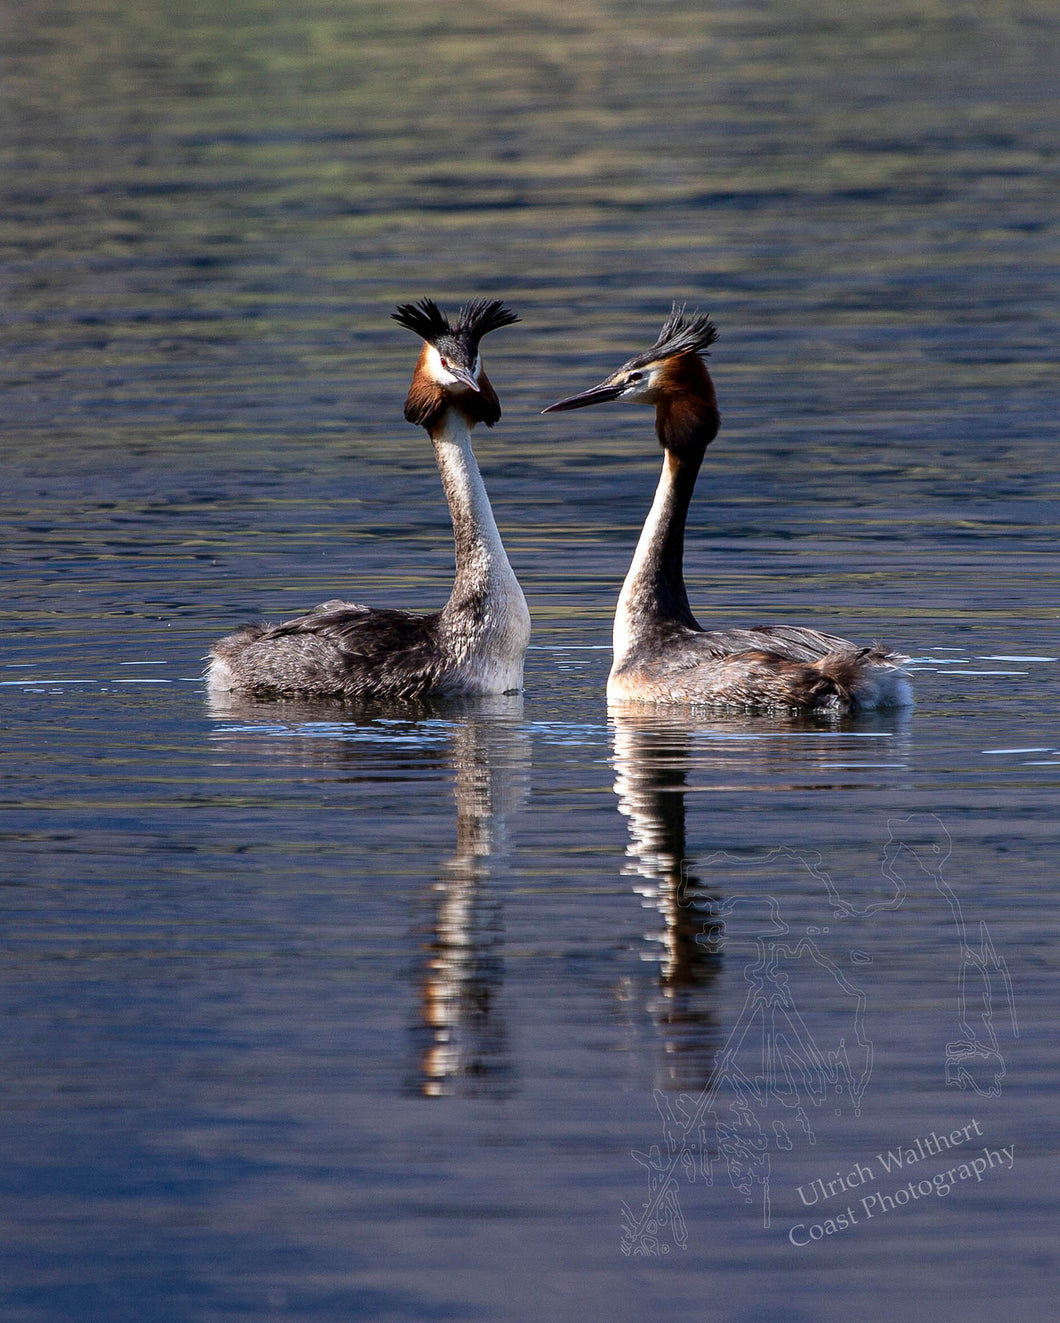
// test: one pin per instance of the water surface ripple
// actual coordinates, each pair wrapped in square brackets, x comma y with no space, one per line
[526,1009]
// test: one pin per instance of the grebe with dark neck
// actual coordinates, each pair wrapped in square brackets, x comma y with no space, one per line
[476,643]
[661,653]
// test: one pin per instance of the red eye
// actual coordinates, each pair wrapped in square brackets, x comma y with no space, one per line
[445,362]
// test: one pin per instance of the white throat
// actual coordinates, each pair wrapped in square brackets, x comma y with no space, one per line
[636,589]
[469,504]
[486,617]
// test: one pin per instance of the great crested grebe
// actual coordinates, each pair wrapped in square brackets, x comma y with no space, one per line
[661,653]
[476,643]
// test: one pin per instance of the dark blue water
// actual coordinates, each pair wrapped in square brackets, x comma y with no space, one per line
[523,1009]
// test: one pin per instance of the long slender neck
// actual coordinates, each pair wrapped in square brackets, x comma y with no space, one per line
[481,561]
[686,421]
[654,589]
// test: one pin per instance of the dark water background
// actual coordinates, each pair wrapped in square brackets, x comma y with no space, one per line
[518,1011]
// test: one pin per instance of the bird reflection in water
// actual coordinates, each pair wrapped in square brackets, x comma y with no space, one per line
[651,758]
[465,1050]
[749,1087]
[460,1041]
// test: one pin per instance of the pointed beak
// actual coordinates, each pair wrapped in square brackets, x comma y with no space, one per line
[466,376]
[597,395]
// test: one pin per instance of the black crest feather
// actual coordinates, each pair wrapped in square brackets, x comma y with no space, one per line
[425,318]
[477,317]
[682,333]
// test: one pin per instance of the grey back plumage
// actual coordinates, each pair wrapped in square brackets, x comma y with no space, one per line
[766,668]
[339,649]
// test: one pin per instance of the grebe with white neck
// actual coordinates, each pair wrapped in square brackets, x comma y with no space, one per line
[476,643]
[661,652]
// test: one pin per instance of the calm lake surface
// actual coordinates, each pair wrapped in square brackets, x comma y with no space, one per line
[524,1010]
